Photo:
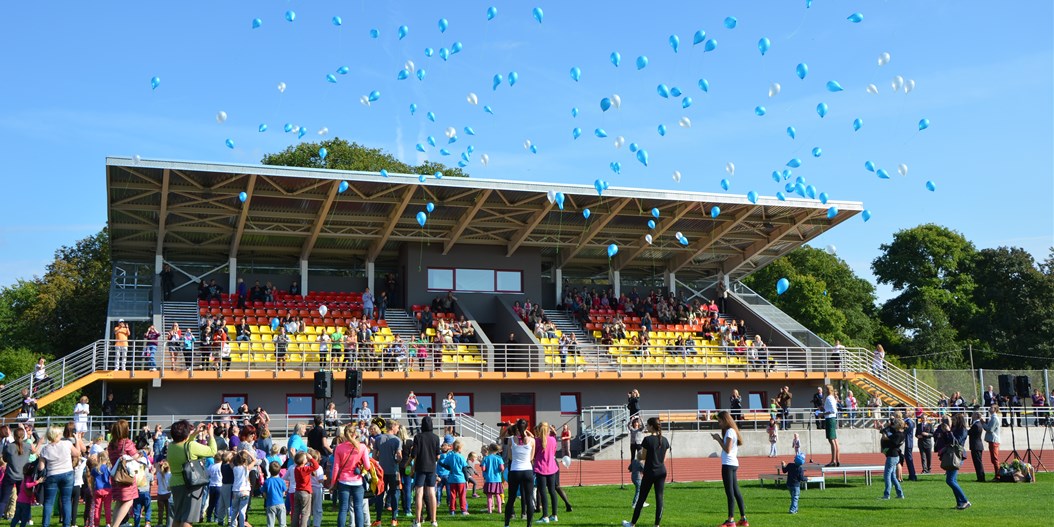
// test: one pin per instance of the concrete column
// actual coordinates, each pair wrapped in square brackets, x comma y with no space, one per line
[232,275]
[558,276]
[669,279]
[303,278]
[369,275]
[616,281]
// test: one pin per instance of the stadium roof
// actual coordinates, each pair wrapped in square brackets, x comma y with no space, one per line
[190,212]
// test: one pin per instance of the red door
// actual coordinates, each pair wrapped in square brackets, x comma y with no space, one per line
[516,406]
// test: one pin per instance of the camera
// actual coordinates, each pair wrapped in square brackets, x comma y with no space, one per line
[503,424]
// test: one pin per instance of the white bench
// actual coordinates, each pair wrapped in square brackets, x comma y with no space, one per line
[782,478]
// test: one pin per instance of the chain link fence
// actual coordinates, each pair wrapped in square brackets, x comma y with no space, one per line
[972,383]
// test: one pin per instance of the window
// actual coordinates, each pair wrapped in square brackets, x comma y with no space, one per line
[299,404]
[509,281]
[756,401]
[235,399]
[706,401]
[426,402]
[369,398]
[440,279]
[475,280]
[570,403]
[464,403]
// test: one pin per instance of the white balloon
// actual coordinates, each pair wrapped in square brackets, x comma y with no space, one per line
[484,159]
[472,98]
[774,90]
[685,122]
[730,168]
[898,81]
[527,144]
[616,101]
[883,59]
[647,238]
[322,310]
[679,235]
[450,132]
[220,117]
[551,196]
[281,87]
[676,176]
[136,159]
[323,131]
[909,85]
[619,141]
[364,100]
[902,169]
[410,66]
[872,89]
[832,250]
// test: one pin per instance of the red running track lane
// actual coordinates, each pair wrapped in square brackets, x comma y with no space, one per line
[613,472]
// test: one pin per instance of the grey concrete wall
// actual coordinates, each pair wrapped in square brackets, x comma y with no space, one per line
[692,443]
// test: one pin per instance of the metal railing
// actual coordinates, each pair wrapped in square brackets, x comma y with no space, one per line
[899,378]
[602,426]
[58,373]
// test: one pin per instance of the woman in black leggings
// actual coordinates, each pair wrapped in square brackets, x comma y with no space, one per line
[521,471]
[730,440]
[653,452]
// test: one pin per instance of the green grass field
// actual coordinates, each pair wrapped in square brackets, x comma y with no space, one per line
[929,501]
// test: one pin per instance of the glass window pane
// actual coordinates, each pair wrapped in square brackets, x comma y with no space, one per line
[510,281]
[424,402]
[357,403]
[568,403]
[442,279]
[754,401]
[464,404]
[705,401]
[235,400]
[299,405]
[475,280]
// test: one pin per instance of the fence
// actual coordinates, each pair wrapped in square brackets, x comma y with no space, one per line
[972,383]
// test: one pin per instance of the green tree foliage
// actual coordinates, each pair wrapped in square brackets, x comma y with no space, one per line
[342,155]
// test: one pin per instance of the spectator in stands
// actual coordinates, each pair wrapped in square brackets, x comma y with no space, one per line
[242,291]
[168,282]
[784,400]
[41,378]
[294,288]
[878,361]
[80,415]
[175,342]
[215,291]
[450,412]
[29,406]
[243,331]
[268,292]
[203,290]
[256,293]
[850,406]
[990,397]
[188,349]
[120,347]
[152,335]
[448,302]
[382,305]
[444,335]
[425,320]
[367,304]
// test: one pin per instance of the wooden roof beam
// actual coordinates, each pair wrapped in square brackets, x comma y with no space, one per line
[464,220]
[525,231]
[664,224]
[704,244]
[236,240]
[320,220]
[389,225]
[731,265]
[594,229]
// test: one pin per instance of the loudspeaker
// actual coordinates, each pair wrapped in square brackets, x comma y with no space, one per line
[1024,386]
[1006,385]
[352,383]
[323,385]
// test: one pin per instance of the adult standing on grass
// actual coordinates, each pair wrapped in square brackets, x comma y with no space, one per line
[891,442]
[545,469]
[58,457]
[975,435]
[653,453]
[187,499]
[924,434]
[952,434]
[349,459]
[425,454]
[121,450]
[730,441]
[520,449]
[830,424]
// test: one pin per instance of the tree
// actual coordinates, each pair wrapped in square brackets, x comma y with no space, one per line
[342,155]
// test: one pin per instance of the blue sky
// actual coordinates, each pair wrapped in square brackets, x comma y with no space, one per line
[77,88]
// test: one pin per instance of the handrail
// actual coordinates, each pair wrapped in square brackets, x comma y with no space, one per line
[738,290]
[862,361]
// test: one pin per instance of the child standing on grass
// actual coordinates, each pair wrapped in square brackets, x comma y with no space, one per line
[635,469]
[305,468]
[470,473]
[26,495]
[442,473]
[493,469]
[795,475]
[318,479]
[456,464]
[241,488]
[773,430]
[101,487]
[274,495]
[164,494]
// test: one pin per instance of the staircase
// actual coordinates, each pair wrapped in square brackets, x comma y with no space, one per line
[566,324]
[402,324]
[893,385]
[602,427]
[798,334]
[183,313]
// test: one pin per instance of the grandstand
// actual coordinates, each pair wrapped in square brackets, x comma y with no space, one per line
[489,244]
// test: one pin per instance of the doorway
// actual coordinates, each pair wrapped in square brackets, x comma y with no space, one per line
[517,406]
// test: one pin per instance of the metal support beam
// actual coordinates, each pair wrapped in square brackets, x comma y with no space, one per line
[525,231]
[594,229]
[303,278]
[464,220]
[162,215]
[616,281]
[232,275]
[702,245]
[389,226]
[558,277]
[370,270]
[627,255]
[734,263]
[669,279]
[320,220]
[236,240]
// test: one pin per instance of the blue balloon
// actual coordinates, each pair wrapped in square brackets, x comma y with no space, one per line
[421,216]
[866,215]
[794,163]
[375,33]
[574,111]
[586,213]
[633,147]
[752,196]
[431,140]
[924,124]
[534,149]
[229,143]
[616,167]
[488,109]
[428,51]
[402,75]
[262,128]
[616,58]
[421,179]
[456,47]
[710,45]
[275,323]
[759,111]
[664,91]
[817,152]
[810,191]
[725,184]
[857,123]
[802,70]
[470,148]
[763,45]
[443,24]
[576,73]
[322,152]
[403,31]
[384,172]
[882,173]
[444,53]
[290,16]
[599,132]
[612,250]
[686,102]
[331,77]
[931,186]
[444,152]
[155,82]
[439,175]
[780,196]
[799,189]
[832,212]
[675,42]
[469,130]
[675,92]
[651,224]
[856,18]
[642,62]
[683,240]
[869,166]
[655,212]
[451,140]
[497,81]
[823,197]
[337,21]
[343,187]
[537,12]
[419,147]
[599,185]
[343,70]
[821,109]
[421,74]
[257,23]
[833,86]
[413,108]
[605,104]
[704,85]
[715,211]
[787,174]
[782,285]
[302,132]
[492,12]
[559,198]
[242,196]
[800,179]
[699,38]
[462,164]
[792,132]
[513,78]
[776,176]
[662,130]
[642,156]
[430,207]
[464,156]
[730,22]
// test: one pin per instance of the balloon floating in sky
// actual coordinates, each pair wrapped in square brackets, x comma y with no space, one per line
[616,58]
[229,143]
[730,167]
[472,98]
[444,53]
[290,16]
[794,163]
[559,198]
[430,207]
[883,58]
[421,179]
[586,213]
[331,78]
[488,109]
[599,132]
[857,123]
[902,169]
[605,104]
[497,81]
[909,85]
[403,74]
[704,85]
[882,173]
[781,197]
[337,21]
[384,173]
[664,91]
[856,18]
[642,62]
[633,147]
[752,196]
[782,285]
[492,12]
[760,110]
[662,130]
[576,133]
[655,212]
[574,112]
[619,141]
[375,33]
[155,82]
[648,238]
[802,70]
[513,78]
[322,153]
[872,89]
[924,124]
[675,42]
[374,95]
[685,122]
[537,12]
[833,86]
[715,211]
[686,102]
[817,152]
[821,109]
[710,45]
[443,24]
[616,101]
[612,250]
[676,176]
[576,73]
[281,87]
[730,22]
[792,132]
[428,51]
[931,186]
[431,116]
[651,224]
[699,38]
[870,166]
[403,31]
[774,89]
[343,187]
[832,212]
[642,156]
[866,215]
[456,47]
[242,196]
[832,250]
[897,83]
[220,117]
[343,70]
[262,128]
[257,23]
[823,197]
[484,159]
[421,216]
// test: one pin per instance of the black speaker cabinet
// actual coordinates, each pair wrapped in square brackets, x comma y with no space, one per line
[1023,385]
[323,385]
[1006,385]
[353,384]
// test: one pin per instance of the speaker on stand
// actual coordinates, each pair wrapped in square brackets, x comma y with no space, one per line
[323,387]
[352,384]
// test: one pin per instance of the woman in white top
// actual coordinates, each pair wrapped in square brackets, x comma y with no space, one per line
[521,446]
[59,457]
[730,440]
[80,415]
[830,424]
